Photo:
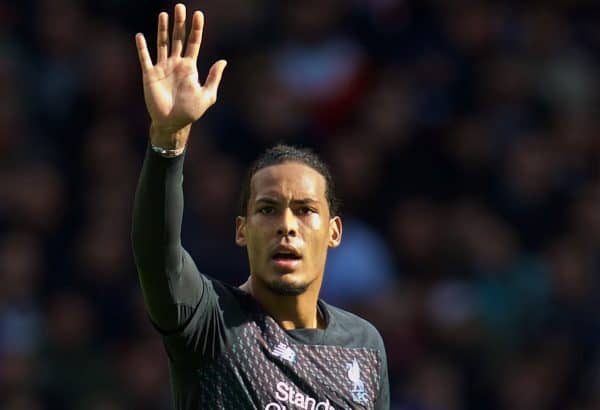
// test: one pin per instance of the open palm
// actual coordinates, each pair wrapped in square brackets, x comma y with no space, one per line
[173,95]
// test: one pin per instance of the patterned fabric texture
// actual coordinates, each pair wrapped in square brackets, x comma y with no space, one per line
[265,369]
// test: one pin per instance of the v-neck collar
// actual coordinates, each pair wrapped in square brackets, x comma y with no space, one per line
[310,336]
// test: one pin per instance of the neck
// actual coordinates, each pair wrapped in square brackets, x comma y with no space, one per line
[291,312]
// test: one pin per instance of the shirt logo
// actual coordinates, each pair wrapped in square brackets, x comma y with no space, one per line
[285,352]
[359,394]
[289,398]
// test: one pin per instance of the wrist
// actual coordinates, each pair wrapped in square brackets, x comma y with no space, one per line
[169,139]
[167,153]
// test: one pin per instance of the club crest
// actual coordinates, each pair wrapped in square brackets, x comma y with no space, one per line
[359,394]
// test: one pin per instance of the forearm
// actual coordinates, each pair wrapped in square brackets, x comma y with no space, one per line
[167,275]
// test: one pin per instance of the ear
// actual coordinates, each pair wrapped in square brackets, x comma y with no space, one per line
[335,232]
[240,231]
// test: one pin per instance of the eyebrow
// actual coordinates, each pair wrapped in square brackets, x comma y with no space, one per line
[273,200]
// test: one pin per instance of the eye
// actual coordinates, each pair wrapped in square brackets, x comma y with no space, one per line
[306,210]
[266,210]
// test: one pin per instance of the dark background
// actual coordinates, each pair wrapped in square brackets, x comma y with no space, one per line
[464,136]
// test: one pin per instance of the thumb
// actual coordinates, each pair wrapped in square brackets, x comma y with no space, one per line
[214,76]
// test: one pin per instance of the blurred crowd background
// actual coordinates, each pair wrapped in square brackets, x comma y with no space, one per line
[465,140]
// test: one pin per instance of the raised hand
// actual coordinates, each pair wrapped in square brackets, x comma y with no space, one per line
[173,95]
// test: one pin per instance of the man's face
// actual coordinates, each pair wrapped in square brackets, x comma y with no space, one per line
[287,228]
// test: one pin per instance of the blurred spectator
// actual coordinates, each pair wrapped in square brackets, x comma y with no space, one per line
[436,385]
[21,269]
[34,197]
[360,270]
[73,367]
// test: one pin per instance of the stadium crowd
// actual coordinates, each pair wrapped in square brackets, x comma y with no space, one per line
[464,138]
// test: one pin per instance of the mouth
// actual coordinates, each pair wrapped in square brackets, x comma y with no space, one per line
[286,258]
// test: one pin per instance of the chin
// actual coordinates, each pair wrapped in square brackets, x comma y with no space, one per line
[287,285]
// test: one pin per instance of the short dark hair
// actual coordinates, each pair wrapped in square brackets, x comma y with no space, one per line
[281,153]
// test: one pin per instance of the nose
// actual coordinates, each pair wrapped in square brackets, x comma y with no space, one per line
[288,225]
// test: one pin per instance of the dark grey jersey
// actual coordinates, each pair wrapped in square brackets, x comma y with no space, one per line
[232,355]
[224,351]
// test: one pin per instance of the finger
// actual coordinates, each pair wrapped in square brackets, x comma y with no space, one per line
[162,38]
[214,77]
[195,38]
[178,30]
[144,56]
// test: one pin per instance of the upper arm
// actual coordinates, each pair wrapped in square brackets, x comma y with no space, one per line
[172,296]
[383,397]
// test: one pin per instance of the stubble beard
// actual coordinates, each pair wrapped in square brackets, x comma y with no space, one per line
[286,289]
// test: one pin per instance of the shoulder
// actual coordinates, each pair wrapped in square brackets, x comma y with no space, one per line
[230,303]
[351,330]
[226,292]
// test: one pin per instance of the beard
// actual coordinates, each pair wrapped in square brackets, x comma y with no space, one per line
[282,288]
[287,289]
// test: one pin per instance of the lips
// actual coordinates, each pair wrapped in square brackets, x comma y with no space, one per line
[286,252]
[286,259]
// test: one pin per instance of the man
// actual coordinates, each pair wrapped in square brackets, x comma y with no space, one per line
[271,343]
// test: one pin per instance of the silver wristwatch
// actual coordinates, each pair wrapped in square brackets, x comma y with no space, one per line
[168,153]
